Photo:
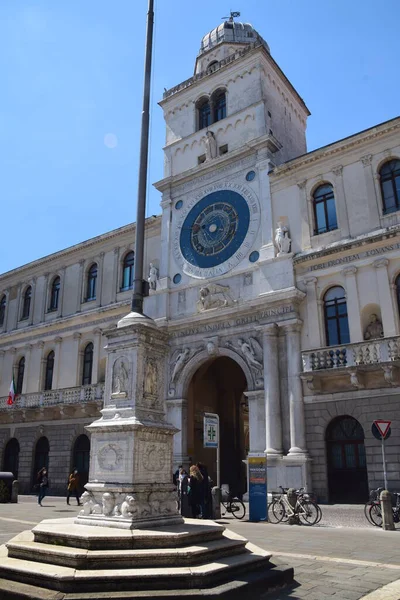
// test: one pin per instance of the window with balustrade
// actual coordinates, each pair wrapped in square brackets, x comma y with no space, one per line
[26,304]
[55,294]
[3,303]
[324,209]
[389,175]
[87,364]
[49,370]
[20,375]
[336,319]
[127,271]
[91,283]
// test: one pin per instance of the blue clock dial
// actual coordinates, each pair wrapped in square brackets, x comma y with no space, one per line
[215,228]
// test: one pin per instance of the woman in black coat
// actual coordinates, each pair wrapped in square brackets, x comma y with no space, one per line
[195,493]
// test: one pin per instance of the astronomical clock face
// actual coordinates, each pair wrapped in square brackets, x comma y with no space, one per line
[216,230]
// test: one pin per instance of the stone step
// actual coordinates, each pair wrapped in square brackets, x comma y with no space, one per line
[67,579]
[250,586]
[24,547]
[66,532]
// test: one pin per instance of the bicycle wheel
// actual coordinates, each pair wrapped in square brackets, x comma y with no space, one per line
[367,508]
[237,508]
[375,514]
[319,513]
[279,511]
[308,512]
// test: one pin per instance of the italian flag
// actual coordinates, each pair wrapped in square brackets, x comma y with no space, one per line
[11,393]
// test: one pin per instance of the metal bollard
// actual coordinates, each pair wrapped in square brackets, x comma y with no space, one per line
[216,502]
[387,513]
[14,491]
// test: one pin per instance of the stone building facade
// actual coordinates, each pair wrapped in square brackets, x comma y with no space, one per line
[274,272]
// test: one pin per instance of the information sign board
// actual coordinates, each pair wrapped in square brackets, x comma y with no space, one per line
[210,431]
[258,488]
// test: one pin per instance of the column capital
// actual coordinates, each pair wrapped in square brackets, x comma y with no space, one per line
[348,271]
[97,331]
[101,255]
[366,160]
[116,249]
[270,330]
[77,335]
[302,184]
[338,171]
[82,262]
[2,353]
[58,339]
[40,344]
[310,281]
[28,347]
[380,263]
[13,350]
[180,402]
[293,326]
[254,395]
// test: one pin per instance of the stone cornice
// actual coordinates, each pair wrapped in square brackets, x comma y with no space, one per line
[152,224]
[348,143]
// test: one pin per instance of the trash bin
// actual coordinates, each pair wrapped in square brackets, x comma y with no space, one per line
[6,479]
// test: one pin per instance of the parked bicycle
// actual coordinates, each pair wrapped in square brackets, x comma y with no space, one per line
[374,512]
[305,510]
[233,505]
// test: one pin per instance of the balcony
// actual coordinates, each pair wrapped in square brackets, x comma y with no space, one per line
[369,364]
[82,395]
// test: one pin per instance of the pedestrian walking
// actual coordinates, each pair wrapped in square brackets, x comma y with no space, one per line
[73,486]
[183,487]
[195,490]
[42,482]
[205,505]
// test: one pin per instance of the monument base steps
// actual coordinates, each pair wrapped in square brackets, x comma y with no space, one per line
[61,560]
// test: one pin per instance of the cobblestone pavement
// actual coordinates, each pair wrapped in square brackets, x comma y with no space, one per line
[343,558]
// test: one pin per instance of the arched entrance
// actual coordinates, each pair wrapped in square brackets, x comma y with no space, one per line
[11,457]
[347,467]
[41,456]
[81,455]
[217,387]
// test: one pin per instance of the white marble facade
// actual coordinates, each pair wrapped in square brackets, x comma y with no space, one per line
[264,308]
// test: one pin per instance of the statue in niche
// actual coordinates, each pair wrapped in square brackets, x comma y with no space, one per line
[282,239]
[153,277]
[374,330]
[150,382]
[211,146]
[214,295]
[120,378]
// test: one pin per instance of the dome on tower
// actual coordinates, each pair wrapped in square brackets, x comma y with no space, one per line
[231,32]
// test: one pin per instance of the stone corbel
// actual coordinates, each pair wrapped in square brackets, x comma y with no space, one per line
[312,383]
[356,379]
[390,374]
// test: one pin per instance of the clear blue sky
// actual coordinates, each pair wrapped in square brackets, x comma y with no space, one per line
[71,97]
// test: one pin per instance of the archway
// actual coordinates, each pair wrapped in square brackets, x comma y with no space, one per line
[347,467]
[41,456]
[11,457]
[217,387]
[81,455]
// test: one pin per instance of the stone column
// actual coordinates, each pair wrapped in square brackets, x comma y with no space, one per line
[256,400]
[267,227]
[353,305]
[99,282]
[307,219]
[62,292]
[385,297]
[115,282]
[372,201]
[33,298]
[57,363]
[296,405]
[96,355]
[177,415]
[313,321]
[273,416]
[340,201]
[44,299]
[79,356]
[79,295]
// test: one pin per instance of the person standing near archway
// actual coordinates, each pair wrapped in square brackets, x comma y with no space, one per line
[73,486]
[43,482]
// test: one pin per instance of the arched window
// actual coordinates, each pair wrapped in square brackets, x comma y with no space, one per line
[81,455]
[27,303]
[324,209]
[219,103]
[127,271]
[91,283]
[3,302]
[41,457]
[48,376]
[204,113]
[20,375]
[11,457]
[55,294]
[390,185]
[87,364]
[212,66]
[336,322]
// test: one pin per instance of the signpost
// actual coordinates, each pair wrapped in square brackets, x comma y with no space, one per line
[258,488]
[381,430]
[211,437]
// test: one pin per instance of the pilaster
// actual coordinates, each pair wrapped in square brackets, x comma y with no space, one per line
[353,305]
[313,320]
[115,274]
[177,415]
[306,217]
[96,355]
[79,295]
[99,282]
[60,308]
[273,416]
[385,297]
[45,297]
[57,363]
[6,312]
[341,204]
[79,357]
[267,229]
[372,201]
[18,311]
[33,301]
[256,401]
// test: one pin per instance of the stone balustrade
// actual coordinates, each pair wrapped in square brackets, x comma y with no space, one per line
[66,396]
[352,355]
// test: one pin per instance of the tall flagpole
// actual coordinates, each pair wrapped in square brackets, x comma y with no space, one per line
[138,284]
